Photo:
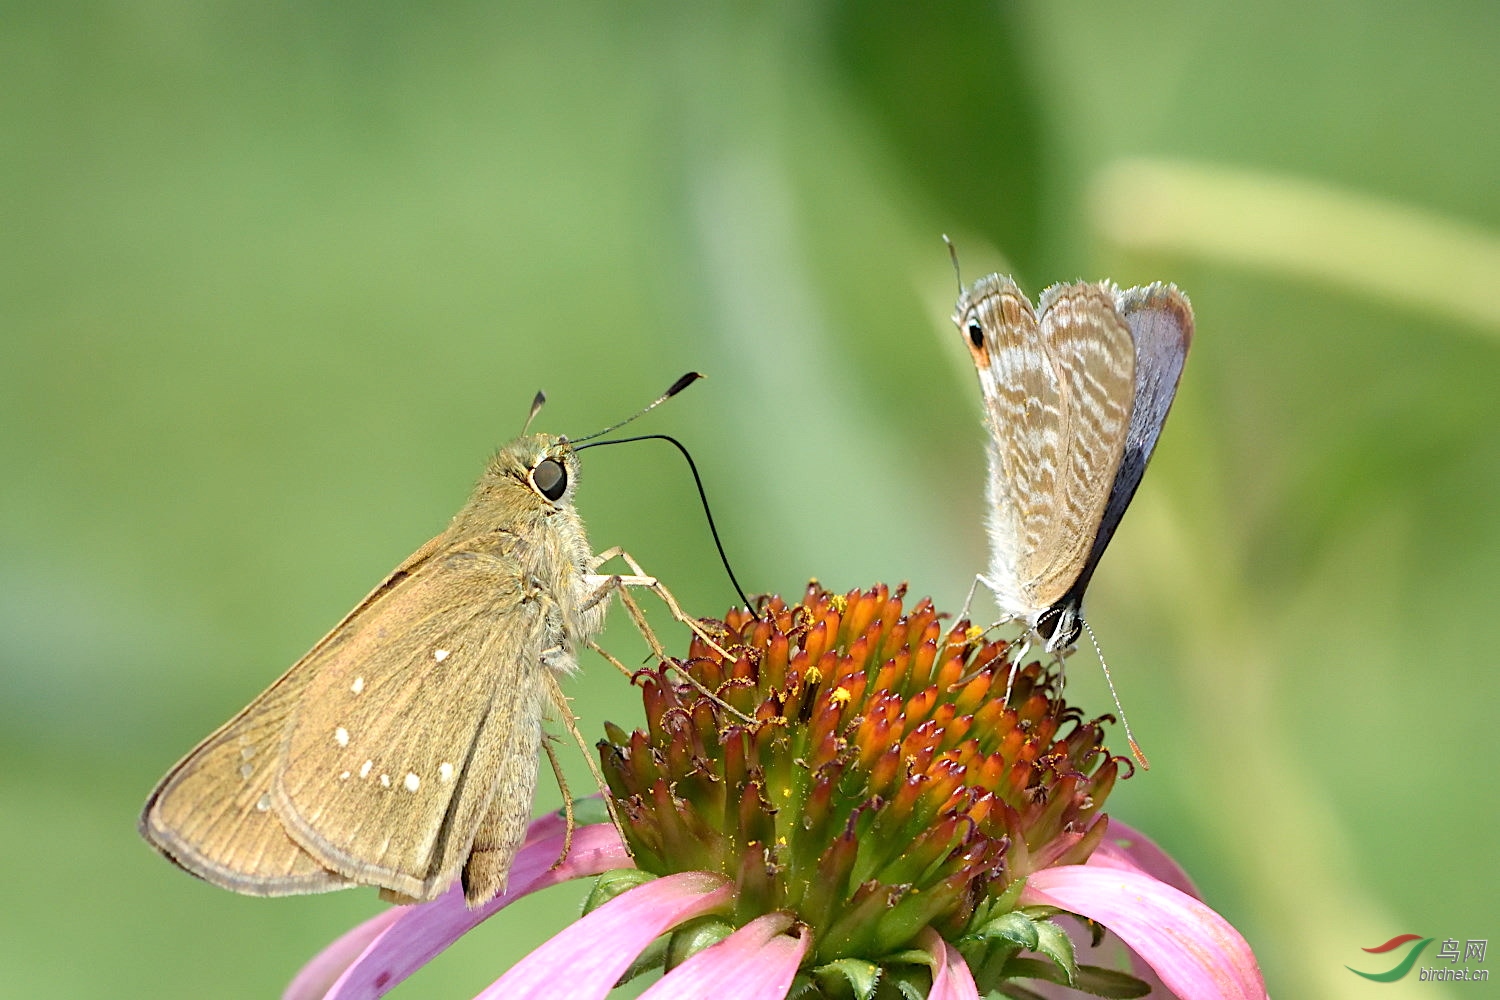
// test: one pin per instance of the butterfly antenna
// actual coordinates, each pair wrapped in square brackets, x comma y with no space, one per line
[1135,748]
[713,529]
[676,387]
[953,253]
[536,407]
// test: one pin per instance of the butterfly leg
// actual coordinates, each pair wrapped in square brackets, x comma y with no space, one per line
[630,674]
[1013,652]
[639,618]
[622,668]
[567,797]
[970,599]
[1060,671]
[608,584]
[555,691]
[642,579]
[1015,663]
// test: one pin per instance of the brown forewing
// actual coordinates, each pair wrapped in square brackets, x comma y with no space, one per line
[389,795]
[211,813]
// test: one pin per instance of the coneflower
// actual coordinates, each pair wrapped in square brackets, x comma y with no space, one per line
[858,811]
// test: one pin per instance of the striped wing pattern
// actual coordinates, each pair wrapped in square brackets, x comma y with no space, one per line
[1057,391]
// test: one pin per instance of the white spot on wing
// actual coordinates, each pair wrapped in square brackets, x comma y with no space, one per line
[412,782]
[264,803]
[440,655]
[385,781]
[364,769]
[246,770]
[445,771]
[344,776]
[358,685]
[341,736]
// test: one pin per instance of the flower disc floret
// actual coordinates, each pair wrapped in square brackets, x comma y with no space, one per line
[860,767]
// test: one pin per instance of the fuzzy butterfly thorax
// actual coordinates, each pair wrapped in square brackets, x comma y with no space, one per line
[526,493]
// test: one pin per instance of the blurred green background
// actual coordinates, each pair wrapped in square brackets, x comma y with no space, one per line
[277,277]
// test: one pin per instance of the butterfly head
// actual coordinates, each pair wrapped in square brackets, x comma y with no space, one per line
[544,466]
[1060,625]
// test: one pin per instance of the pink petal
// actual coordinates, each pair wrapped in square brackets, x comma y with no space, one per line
[755,962]
[587,958]
[549,825]
[403,939]
[1128,848]
[1125,847]
[1196,952]
[951,978]
[318,976]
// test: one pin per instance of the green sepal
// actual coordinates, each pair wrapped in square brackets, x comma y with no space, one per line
[859,976]
[1016,928]
[909,983]
[1096,930]
[1015,991]
[652,957]
[1035,968]
[614,883]
[911,956]
[803,985]
[694,936]
[1110,983]
[1089,978]
[1054,942]
[986,958]
[589,811]
[989,947]
[1007,899]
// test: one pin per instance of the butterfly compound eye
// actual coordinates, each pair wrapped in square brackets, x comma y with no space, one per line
[550,478]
